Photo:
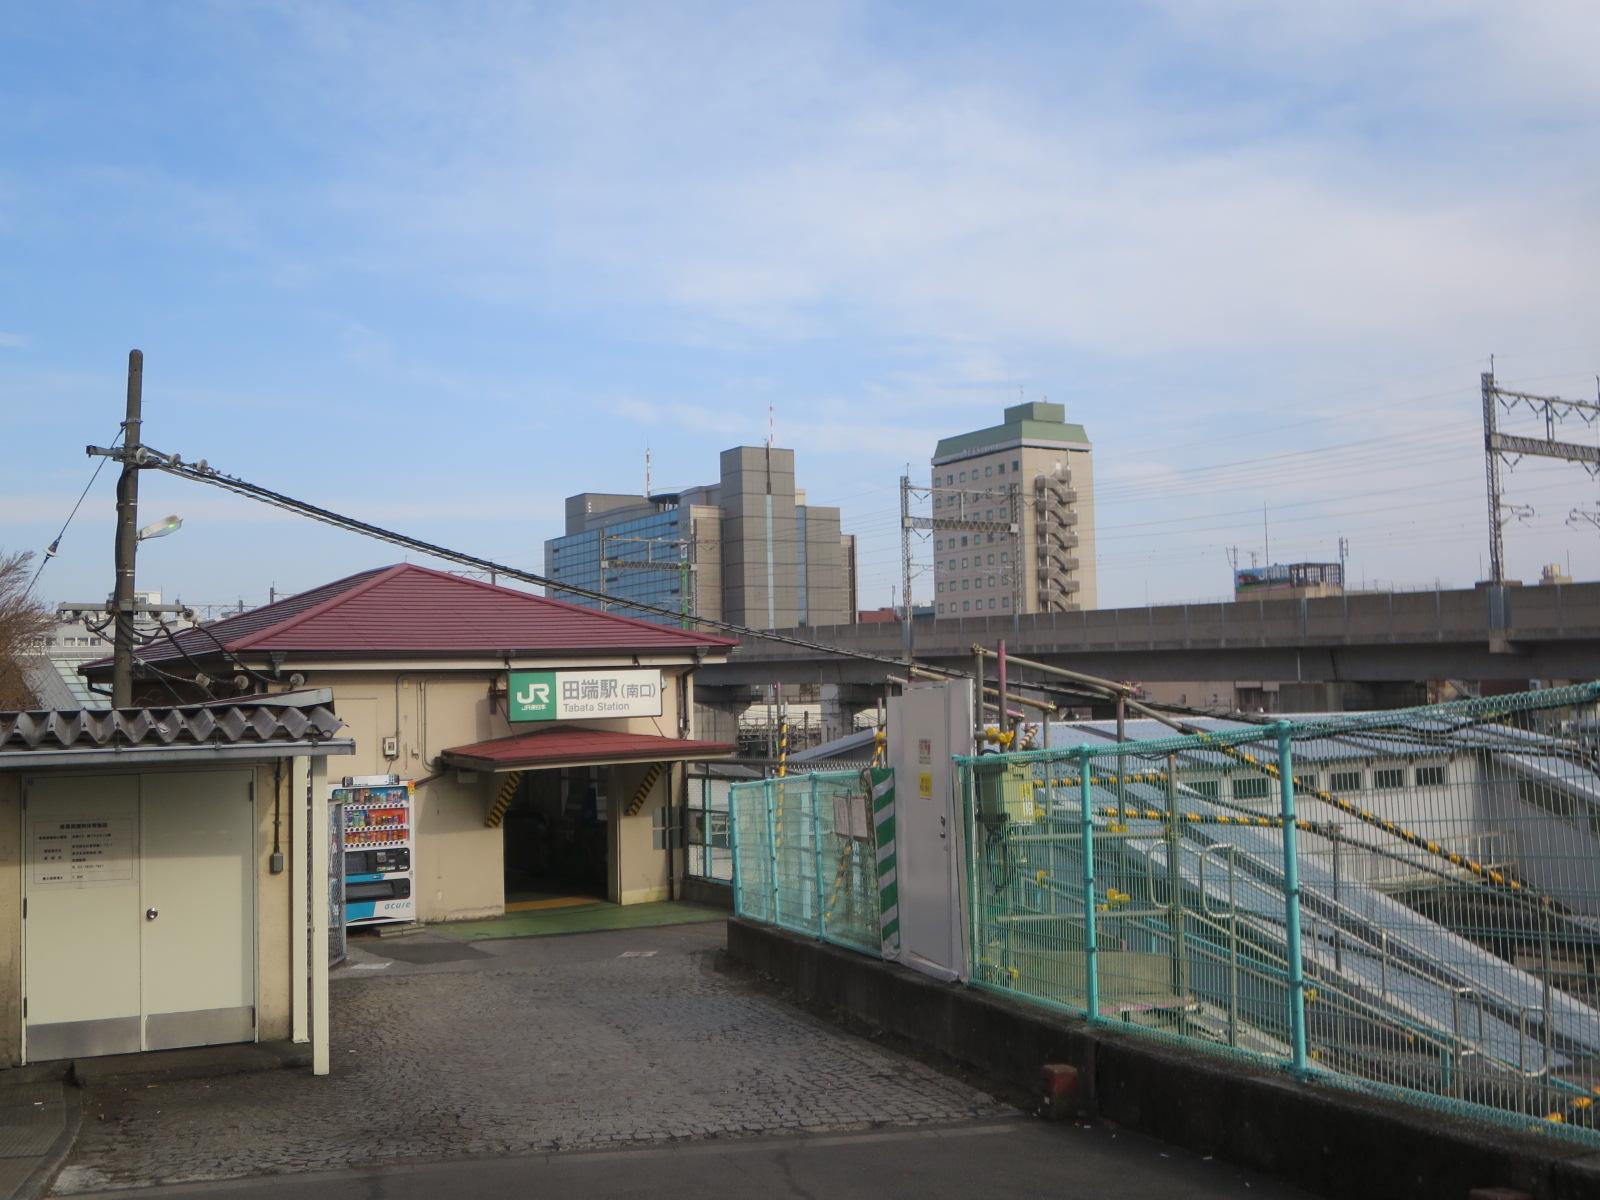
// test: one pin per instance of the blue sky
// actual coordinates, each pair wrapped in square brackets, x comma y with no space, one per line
[441,265]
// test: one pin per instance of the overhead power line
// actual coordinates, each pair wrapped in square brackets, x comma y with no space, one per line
[202,473]
[55,545]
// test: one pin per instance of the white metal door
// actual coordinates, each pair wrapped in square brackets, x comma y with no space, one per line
[81,916]
[197,909]
[928,723]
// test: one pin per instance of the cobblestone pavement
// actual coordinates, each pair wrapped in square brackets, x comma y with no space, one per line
[598,1040]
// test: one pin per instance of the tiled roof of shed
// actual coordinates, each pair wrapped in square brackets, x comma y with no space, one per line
[209,724]
[407,609]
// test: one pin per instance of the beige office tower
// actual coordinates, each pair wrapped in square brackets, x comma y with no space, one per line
[1033,471]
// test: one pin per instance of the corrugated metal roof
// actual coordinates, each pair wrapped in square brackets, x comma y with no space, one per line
[47,730]
[560,745]
[56,683]
[407,609]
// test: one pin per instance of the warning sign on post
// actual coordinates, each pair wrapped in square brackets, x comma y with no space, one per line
[81,853]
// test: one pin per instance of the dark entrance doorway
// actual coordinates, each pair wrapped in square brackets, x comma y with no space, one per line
[556,835]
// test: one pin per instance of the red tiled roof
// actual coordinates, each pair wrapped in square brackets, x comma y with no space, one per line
[407,609]
[573,745]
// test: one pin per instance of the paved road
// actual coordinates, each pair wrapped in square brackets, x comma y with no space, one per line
[584,1042]
[1015,1158]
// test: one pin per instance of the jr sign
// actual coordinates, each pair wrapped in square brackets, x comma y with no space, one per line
[584,695]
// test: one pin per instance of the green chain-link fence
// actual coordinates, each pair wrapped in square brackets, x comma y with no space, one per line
[805,856]
[1404,902]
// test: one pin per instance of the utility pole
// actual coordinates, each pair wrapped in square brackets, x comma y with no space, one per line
[1344,551]
[1497,446]
[127,542]
[905,565]
[684,567]
[1492,468]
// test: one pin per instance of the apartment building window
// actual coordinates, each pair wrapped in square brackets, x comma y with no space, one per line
[941,609]
[1204,787]
[963,539]
[1002,468]
[991,560]
[1016,464]
[991,581]
[1005,556]
[1430,776]
[988,471]
[940,587]
[966,606]
[963,477]
[952,564]
[1345,781]
[963,562]
[1389,778]
[963,585]
[991,601]
[1006,601]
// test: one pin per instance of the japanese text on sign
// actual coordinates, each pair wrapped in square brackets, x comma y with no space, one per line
[577,695]
[79,853]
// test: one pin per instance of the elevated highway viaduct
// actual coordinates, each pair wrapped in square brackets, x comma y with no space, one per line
[1379,638]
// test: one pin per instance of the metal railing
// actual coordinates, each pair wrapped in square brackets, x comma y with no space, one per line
[1404,902]
[805,856]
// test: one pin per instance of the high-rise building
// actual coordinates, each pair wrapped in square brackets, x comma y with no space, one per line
[747,549]
[1013,507]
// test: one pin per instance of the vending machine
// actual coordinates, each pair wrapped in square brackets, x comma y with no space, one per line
[377,851]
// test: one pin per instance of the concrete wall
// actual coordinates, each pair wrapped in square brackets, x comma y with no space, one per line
[759,572]
[704,528]
[275,918]
[828,599]
[10,919]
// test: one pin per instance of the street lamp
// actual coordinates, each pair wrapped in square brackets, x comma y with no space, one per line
[161,528]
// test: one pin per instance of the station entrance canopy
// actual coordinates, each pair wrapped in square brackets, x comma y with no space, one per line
[575,746]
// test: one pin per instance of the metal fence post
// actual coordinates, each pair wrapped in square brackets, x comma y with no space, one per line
[816,848]
[1291,905]
[733,848]
[772,839]
[969,807]
[1091,951]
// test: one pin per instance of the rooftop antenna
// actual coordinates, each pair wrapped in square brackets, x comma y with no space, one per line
[1266,535]
[772,425]
[647,492]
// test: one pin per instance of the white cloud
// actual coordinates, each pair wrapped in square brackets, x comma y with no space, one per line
[12,341]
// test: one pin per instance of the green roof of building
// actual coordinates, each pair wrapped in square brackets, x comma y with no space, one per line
[1036,422]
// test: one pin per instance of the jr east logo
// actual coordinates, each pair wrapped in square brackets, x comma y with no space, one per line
[533,695]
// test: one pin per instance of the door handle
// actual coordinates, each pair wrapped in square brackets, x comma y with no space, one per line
[150,914]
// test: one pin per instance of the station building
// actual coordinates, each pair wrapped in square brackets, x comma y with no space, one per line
[545,742]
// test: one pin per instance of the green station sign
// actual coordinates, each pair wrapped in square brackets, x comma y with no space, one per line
[584,695]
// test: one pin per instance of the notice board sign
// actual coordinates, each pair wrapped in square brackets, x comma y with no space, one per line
[81,853]
[584,695]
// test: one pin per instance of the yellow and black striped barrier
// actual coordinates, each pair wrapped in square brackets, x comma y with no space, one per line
[502,799]
[642,792]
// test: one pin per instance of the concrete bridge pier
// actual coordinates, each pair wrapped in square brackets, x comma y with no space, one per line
[717,708]
[841,702]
